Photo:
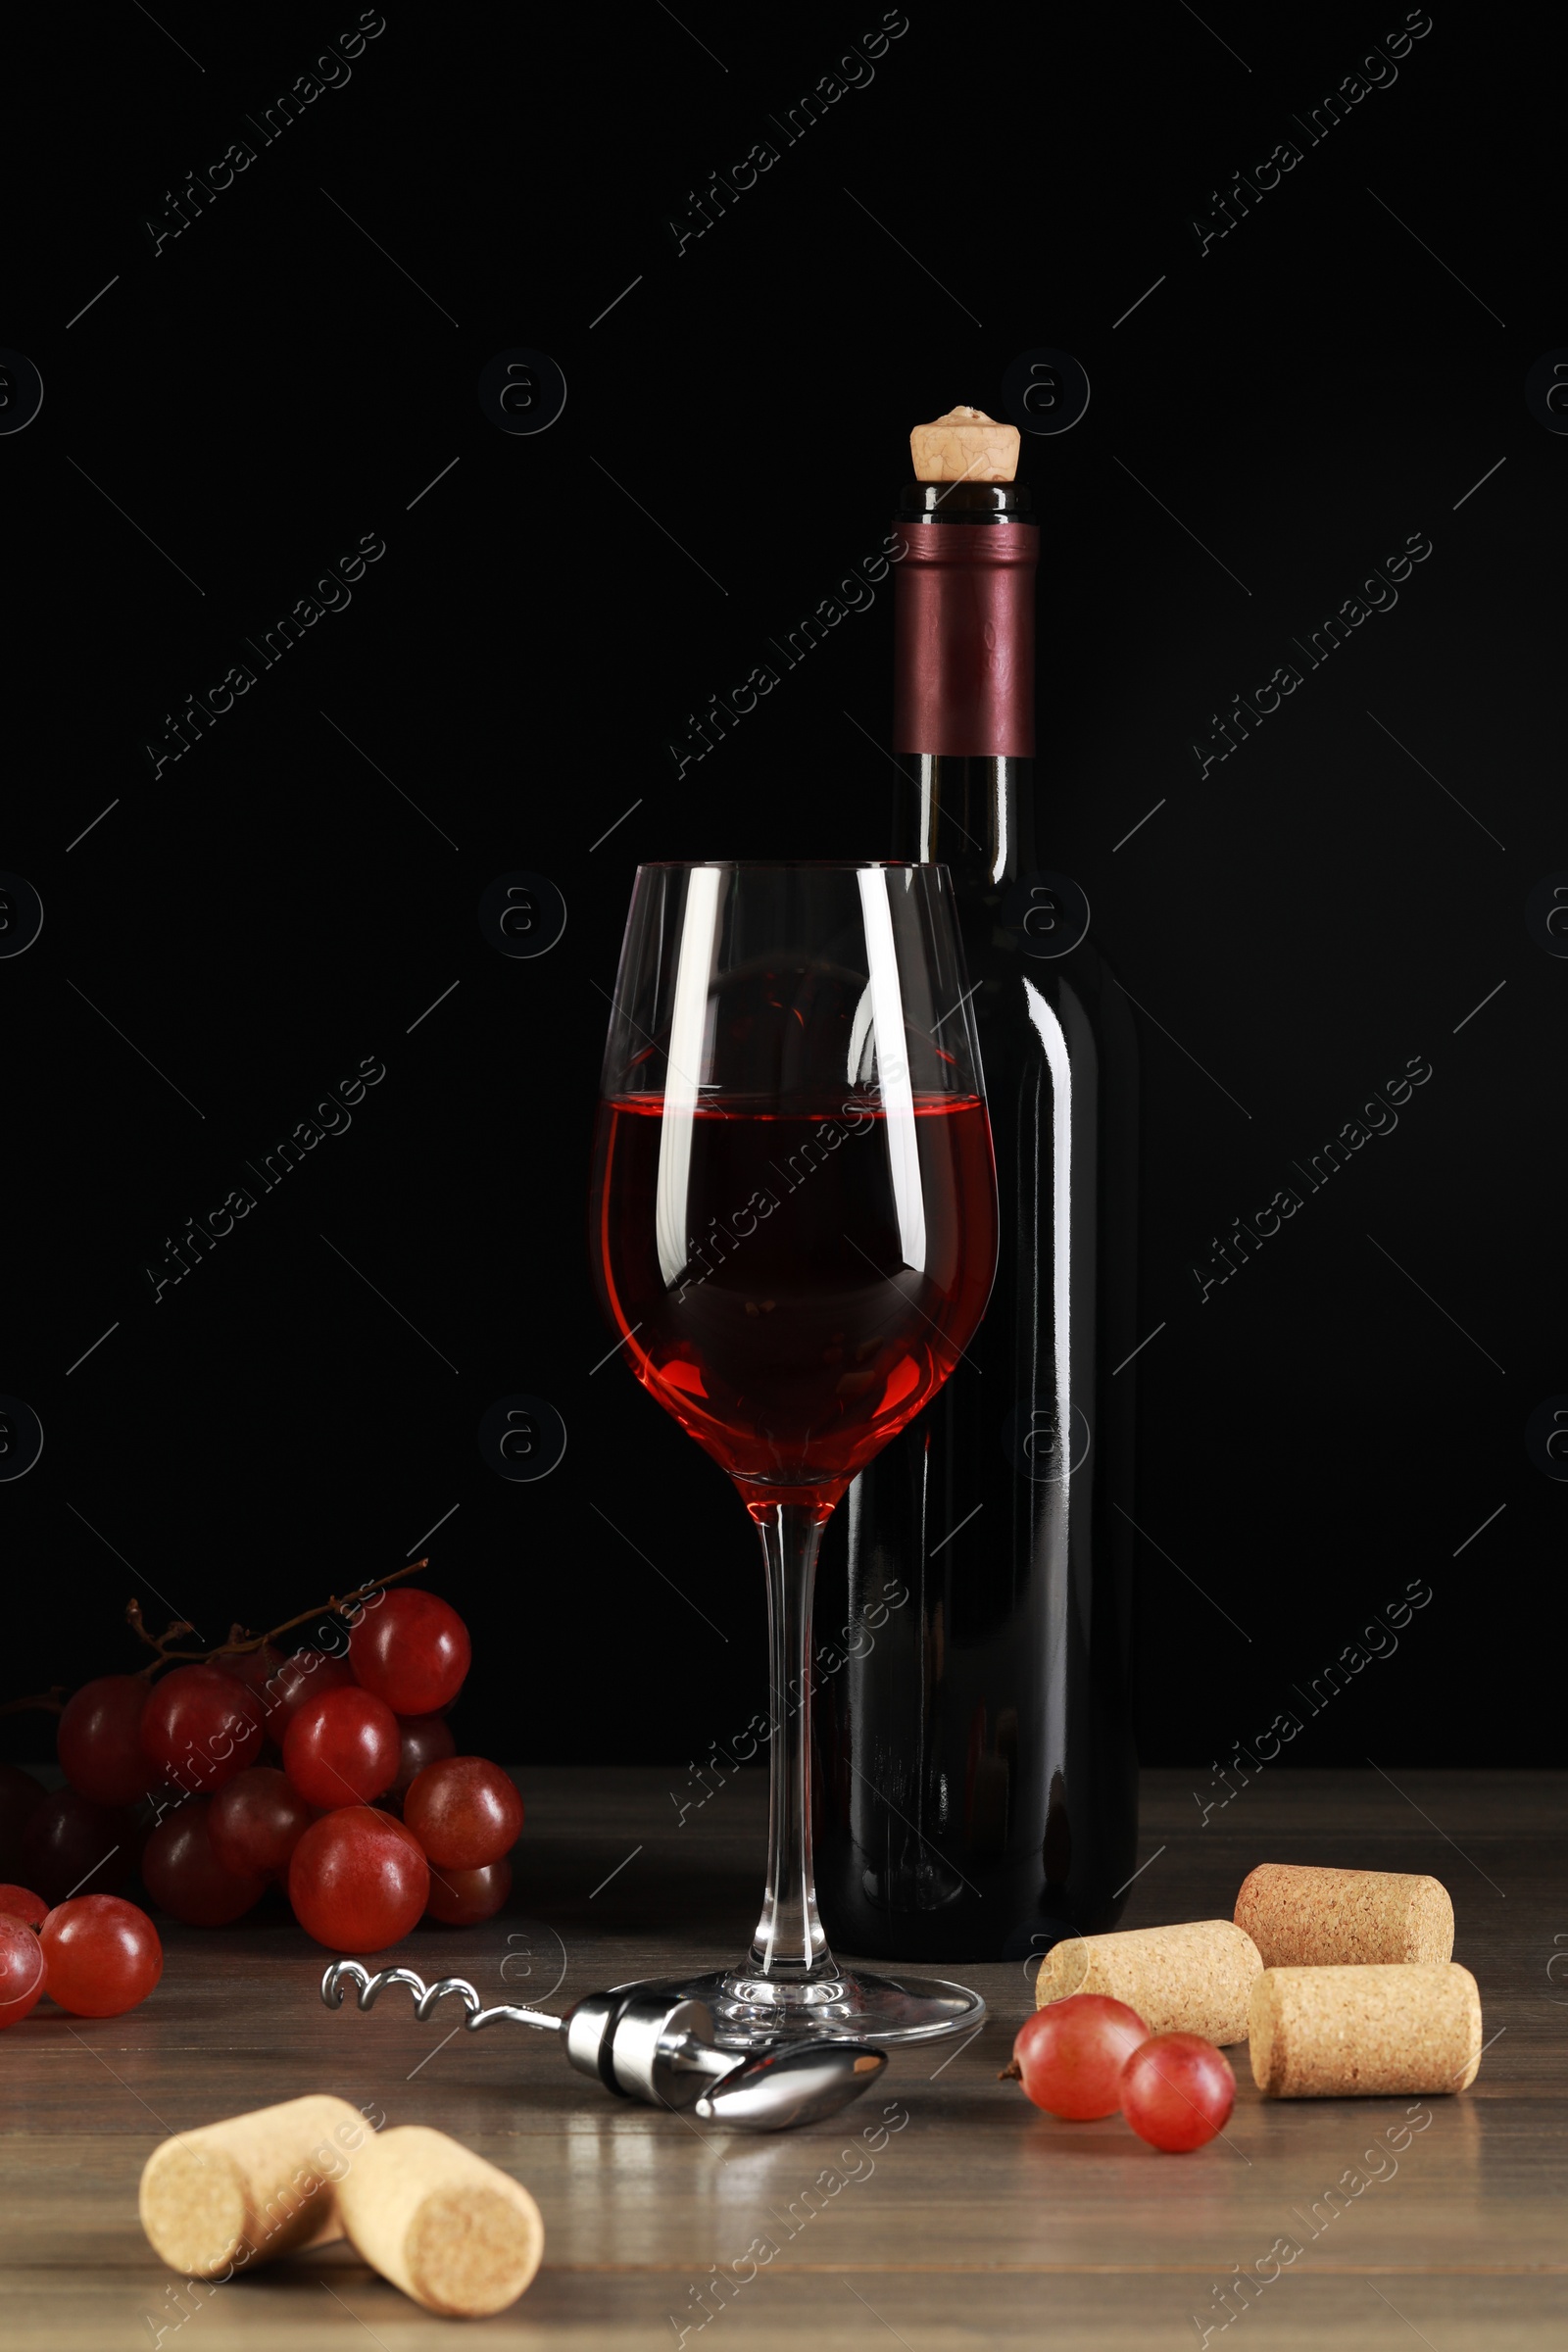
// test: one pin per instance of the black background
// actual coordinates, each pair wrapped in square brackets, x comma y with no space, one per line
[268,909]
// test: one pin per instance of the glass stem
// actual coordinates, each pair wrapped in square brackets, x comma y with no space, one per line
[789,1946]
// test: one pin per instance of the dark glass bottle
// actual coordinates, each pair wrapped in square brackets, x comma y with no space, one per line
[976,1782]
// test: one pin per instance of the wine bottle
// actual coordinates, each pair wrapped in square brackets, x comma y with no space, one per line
[975,1775]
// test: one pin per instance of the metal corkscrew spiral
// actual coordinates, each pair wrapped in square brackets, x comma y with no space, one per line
[427,1996]
[643,2041]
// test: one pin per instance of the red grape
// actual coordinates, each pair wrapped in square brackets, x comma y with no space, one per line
[20,1903]
[22,1971]
[257,1822]
[306,1675]
[464,1812]
[100,1740]
[1070,2054]
[358,1880]
[467,1896]
[1177,2090]
[71,1843]
[201,1728]
[413,1651]
[341,1748]
[103,1955]
[462,1898]
[184,1875]
[425,1739]
[20,1799]
[254,1668]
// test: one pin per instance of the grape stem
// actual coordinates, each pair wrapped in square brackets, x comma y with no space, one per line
[241,1642]
[42,1702]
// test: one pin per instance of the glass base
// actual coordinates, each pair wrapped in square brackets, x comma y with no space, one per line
[846,2006]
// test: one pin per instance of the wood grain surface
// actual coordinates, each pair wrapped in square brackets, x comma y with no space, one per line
[976,2220]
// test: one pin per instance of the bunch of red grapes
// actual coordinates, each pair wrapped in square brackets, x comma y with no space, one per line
[336,1778]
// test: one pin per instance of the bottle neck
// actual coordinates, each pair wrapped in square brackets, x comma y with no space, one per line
[963,680]
[974,815]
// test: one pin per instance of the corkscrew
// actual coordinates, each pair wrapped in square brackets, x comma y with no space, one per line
[646,2041]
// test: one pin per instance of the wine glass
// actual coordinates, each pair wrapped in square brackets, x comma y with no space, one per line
[794,1232]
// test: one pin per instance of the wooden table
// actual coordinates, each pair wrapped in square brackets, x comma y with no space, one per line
[977,2220]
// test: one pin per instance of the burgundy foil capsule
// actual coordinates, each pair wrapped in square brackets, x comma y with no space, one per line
[964,637]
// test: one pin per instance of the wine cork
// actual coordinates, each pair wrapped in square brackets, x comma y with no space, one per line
[964,445]
[1301,1918]
[1194,1978]
[255,2186]
[454,2233]
[1366,2032]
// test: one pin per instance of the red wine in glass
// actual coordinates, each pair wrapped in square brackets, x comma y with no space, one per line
[793,1229]
[797,1342]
